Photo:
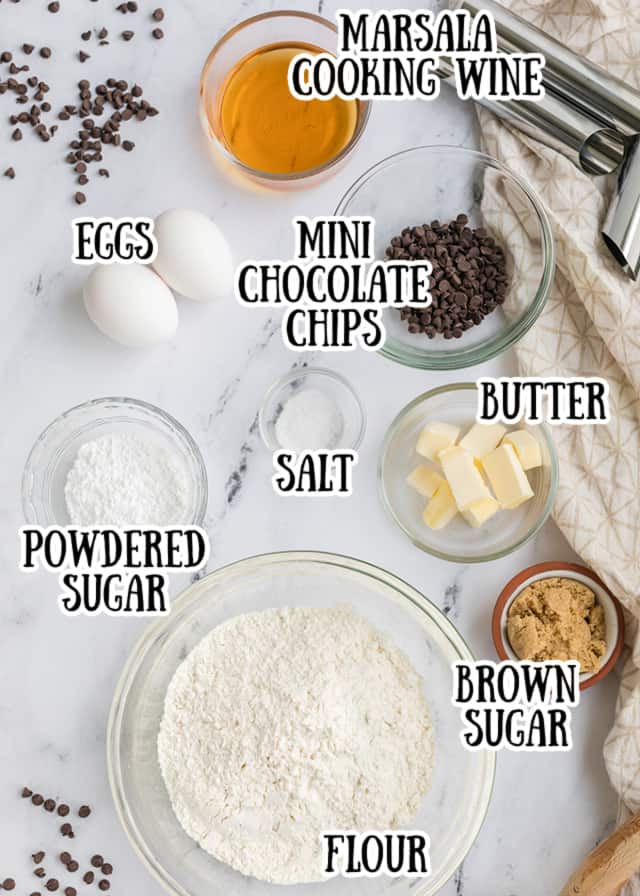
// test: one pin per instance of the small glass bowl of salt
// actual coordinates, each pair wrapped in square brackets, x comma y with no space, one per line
[312,409]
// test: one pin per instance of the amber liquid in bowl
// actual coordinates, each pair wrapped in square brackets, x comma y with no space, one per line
[268,129]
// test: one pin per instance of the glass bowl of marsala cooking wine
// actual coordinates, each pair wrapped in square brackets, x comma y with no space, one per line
[257,127]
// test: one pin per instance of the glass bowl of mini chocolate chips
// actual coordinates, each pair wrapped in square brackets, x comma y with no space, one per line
[487,237]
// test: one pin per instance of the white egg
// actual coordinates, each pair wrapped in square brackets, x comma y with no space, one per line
[130,304]
[193,256]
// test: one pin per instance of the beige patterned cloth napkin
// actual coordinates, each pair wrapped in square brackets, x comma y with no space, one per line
[591,327]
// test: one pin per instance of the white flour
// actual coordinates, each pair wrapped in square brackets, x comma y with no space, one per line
[120,480]
[285,723]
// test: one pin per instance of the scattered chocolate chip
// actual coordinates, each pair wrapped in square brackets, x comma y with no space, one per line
[8,883]
[36,799]
[6,56]
[82,56]
[104,885]
[10,173]
[86,35]
[66,829]
[63,810]
[128,146]
[84,811]
[103,172]
[49,805]
[40,872]
[35,893]
[158,33]
[52,885]
[28,49]
[65,857]
[45,52]
[72,866]
[80,199]
[83,180]
[97,861]
[26,793]
[89,877]
[70,891]
[38,856]
[158,14]
[107,868]
[128,35]
[132,6]
[54,7]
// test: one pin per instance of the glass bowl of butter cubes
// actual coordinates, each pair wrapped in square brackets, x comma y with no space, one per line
[462,490]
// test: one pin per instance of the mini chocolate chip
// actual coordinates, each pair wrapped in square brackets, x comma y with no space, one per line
[70,891]
[28,49]
[26,793]
[6,56]
[10,173]
[8,883]
[65,829]
[84,811]
[73,866]
[45,52]
[128,146]
[86,35]
[97,861]
[80,199]
[127,35]
[103,172]
[107,868]
[36,799]
[49,805]
[158,14]
[82,56]
[52,885]
[132,6]
[103,33]
[63,810]
[158,33]
[54,7]
[104,885]
[89,877]
[38,856]
[83,180]
[40,872]
[65,857]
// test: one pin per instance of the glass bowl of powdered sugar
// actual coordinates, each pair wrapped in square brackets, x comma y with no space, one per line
[115,462]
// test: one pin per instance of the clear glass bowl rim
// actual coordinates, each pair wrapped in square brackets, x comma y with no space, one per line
[461,558]
[363,117]
[28,477]
[298,373]
[190,596]
[455,360]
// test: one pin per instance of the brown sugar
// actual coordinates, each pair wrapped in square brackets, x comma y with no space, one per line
[558,619]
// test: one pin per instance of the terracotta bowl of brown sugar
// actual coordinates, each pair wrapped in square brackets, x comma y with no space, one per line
[613,615]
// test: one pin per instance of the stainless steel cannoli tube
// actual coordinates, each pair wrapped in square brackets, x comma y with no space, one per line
[595,149]
[569,75]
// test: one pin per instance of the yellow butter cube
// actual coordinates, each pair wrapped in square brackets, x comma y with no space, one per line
[441,509]
[482,438]
[526,447]
[463,476]
[479,512]
[425,480]
[436,437]
[508,480]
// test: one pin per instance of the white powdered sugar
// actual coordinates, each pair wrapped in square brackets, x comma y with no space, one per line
[121,480]
[285,723]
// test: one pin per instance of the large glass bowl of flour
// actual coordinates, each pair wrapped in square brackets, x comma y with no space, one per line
[451,813]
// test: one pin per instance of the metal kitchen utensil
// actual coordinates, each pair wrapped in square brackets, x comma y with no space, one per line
[572,77]
[587,114]
[597,150]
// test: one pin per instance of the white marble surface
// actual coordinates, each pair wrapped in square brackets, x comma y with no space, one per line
[58,674]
